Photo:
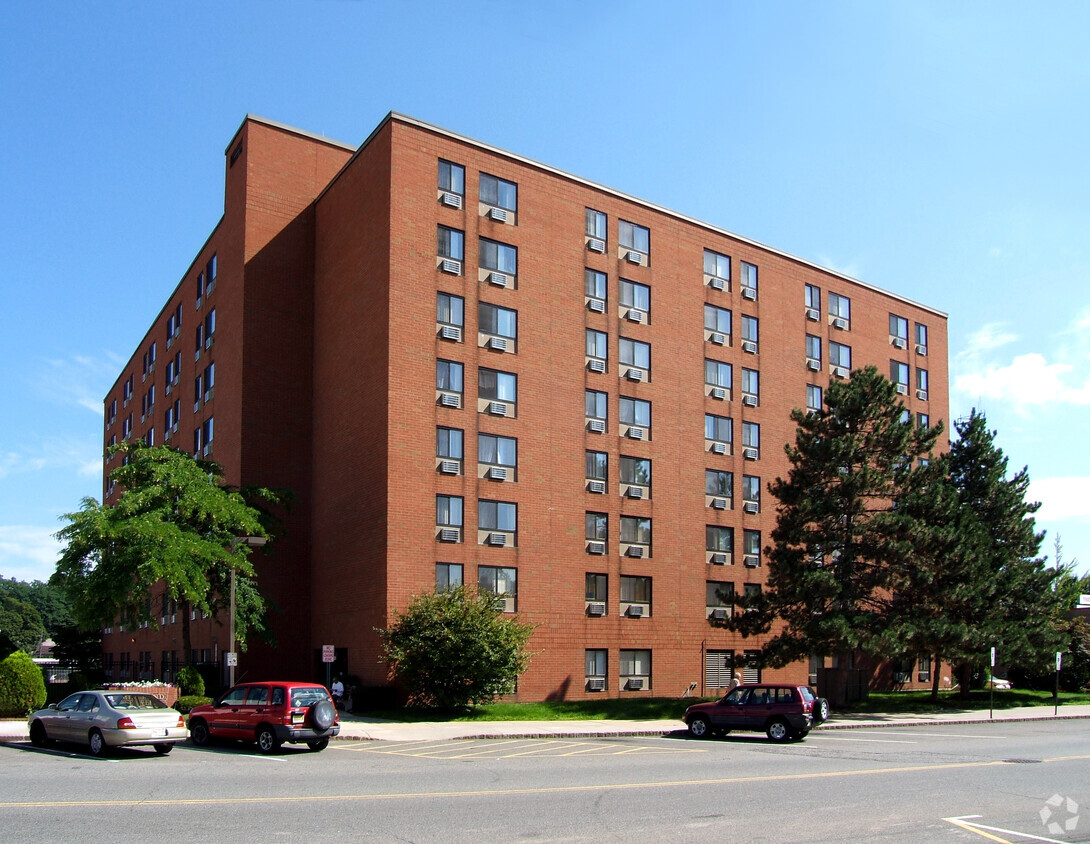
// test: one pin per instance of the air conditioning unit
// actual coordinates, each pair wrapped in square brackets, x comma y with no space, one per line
[718,338]
[498,214]
[451,200]
[751,560]
[596,608]
[719,448]
[634,551]
[448,535]
[451,332]
[635,610]
[497,473]
[635,492]
[749,347]
[596,365]
[921,349]
[450,400]
[634,433]
[596,305]
[749,453]
[717,283]
[921,394]
[596,244]
[720,613]
[749,293]
[634,316]
[451,266]
[719,504]
[718,393]
[899,343]
[497,539]
[596,684]
[596,547]
[813,314]
[718,559]
[449,467]
[749,400]
[840,323]
[840,371]
[633,257]
[497,344]
[596,426]
[634,374]
[498,279]
[902,389]
[497,408]
[597,487]
[751,507]
[634,683]
[813,365]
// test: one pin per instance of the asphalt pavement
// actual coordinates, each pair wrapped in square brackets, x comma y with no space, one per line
[362,728]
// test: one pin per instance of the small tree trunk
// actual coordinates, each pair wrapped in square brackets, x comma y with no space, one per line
[935,666]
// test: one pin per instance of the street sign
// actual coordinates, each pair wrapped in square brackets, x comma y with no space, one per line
[1059,660]
[993,657]
[328,653]
[232,658]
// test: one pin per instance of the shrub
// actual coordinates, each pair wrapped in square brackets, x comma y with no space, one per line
[78,682]
[190,682]
[22,687]
[186,702]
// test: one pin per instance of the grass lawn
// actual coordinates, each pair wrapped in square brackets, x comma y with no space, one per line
[950,702]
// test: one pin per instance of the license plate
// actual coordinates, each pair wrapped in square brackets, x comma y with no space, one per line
[158,733]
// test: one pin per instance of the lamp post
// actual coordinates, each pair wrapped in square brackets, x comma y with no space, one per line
[232,657]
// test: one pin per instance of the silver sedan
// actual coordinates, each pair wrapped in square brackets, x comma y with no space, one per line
[103,719]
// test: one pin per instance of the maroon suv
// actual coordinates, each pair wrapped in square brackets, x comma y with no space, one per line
[270,714]
[783,712]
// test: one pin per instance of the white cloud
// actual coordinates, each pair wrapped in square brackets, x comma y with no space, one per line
[1062,498]
[80,380]
[850,270]
[81,456]
[27,552]
[987,337]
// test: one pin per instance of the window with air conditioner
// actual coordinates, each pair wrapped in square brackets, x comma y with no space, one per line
[718,599]
[636,475]
[718,378]
[717,325]
[814,398]
[595,232]
[635,669]
[448,450]
[495,257]
[449,381]
[813,352]
[921,338]
[448,517]
[751,440]
[750,334]
[595,287]
[597,349]
[635,242]
[718,430]
[751,387]
[716,268]
[840,311]
[597,668]
[502,582]
[635,354]
[450,250]
[495,387]
[718,487]
[921,383]
[813,302]
[449,316]
[636,534]
[447,576]
[202,438]
[452,184]
[494,322]
[497,517]
[748,282]
[501,195]
[751,492]
[840,358]
[597,409]
[751,547]
[496,452]
[898,331]
[635,414]
[718,544]
[898,374]
[635,301]
[597,531]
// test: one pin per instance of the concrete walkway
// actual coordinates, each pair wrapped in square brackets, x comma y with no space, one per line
[362,728]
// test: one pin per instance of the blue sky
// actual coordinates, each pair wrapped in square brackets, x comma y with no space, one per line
[935,150]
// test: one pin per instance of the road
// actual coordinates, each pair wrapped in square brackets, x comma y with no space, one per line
[986,782]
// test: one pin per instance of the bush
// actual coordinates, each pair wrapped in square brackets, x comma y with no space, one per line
[78,682]
[190,682]
[22,686]
[186,702]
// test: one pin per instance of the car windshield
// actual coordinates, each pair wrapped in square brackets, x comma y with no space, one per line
[307,696]
[131,701]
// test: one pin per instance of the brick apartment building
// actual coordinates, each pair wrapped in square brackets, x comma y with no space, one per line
[472,367]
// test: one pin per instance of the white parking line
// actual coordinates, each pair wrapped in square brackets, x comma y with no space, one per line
[940,735]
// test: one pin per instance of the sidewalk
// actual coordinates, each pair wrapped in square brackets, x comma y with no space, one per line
[362,728]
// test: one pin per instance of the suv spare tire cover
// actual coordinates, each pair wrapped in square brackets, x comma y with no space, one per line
[322,715]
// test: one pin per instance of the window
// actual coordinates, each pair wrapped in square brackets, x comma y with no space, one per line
[718,374]
[749,334]
[636,471]
[635,668]
[751,439]
[127,389]
[501,322]
[498,257]
[749,281]
[921,383]
[200,288]
[635,590]
[499,193]
[452,178]
[172,417]
[497,386]
[449,443]
[493,450]
[751,490]
[719,539]
[448,511]
[632,236]
[840,355]
[209,328]
[595,285]
[149,437]
[597,668]
[898,331]
[716,265]
[718,483]
[814,398]
[751,385]
[924,675]
[813,349]
[813,302]
[597,527]
[597,466]
[597,344]
[447,576]
[921,339]
[635,412]
[497,515]
[636,530]
[717,321]
[718,669]
[149,360]
[448,376]
[635,296]
[209,382]
[450,312]
[718,594]
[202,438]
[596,224]
[597,403]
[923,420]
[597,587]
[501,582]
[718,429]
[174,325]
[751,547]
[111,413]
[840,308]
[451,244]
[210,273]
[636,354]
[898,374]
[751,593]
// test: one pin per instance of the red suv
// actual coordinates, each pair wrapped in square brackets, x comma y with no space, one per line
[783,712]
[269,713]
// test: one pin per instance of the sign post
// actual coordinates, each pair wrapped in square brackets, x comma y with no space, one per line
[1056,693]
[328,655]
[991,687]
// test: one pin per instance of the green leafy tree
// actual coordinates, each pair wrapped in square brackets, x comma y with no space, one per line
[48,600]
[454,649]
[22,623]
[79,649]
[173,531]
[22,687]
[839,539]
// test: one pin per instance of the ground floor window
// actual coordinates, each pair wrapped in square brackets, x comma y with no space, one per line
[751,673]
[718,669]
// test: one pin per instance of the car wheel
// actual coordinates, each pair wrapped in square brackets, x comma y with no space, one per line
[164,748]
[699,727]
[318,744]
[198,733]
[97,743]
[800,735]
[267,741]
[778,730]
[322,715]
[37,734]
[821,710]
